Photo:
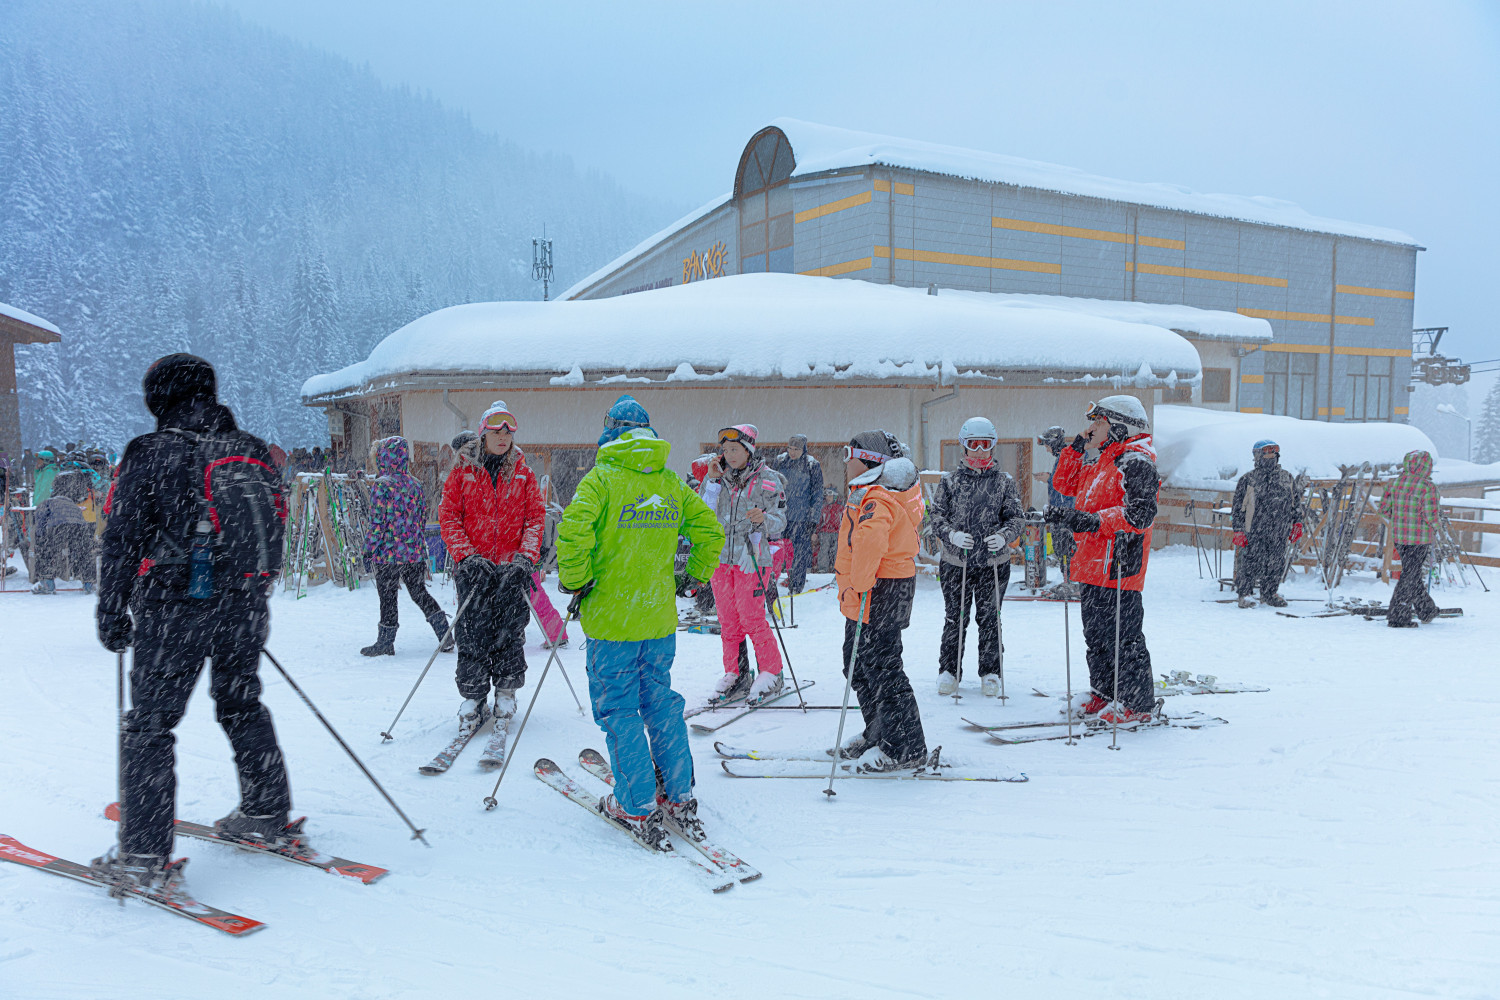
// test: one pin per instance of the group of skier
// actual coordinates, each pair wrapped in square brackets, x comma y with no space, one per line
[194,542]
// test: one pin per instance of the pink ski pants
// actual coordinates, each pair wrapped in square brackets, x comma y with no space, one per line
[552,622]
[740,600]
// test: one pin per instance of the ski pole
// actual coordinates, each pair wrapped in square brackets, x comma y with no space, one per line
[490,802]
[1068,671]
[385,735]
[838,741]
[536,617]
[1119,705]
[963,620]
[416,834]
[120,761]
[776,623]
[999,631]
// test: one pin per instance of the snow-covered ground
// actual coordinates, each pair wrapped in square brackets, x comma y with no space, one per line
[1337,839]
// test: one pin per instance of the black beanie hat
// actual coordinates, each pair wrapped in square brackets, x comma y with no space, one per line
[878,441]
[178,378]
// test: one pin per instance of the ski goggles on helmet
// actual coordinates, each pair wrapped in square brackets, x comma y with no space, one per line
[868,457]
[734,434]
[979,444]
[496,419]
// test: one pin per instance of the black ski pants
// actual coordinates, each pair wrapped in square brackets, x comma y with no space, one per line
[67,551]
[885,696]
[1261,563]
[1411,594]
[388,580]
[172,639]
[979,592]
[491,632]
[801,535]
[1097,609]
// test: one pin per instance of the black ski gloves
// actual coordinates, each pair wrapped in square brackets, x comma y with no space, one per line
[115,630]
[1074,520]
[474,568]
[1078,444]
[520,559]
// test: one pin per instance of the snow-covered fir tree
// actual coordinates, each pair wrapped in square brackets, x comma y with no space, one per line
[1487,427]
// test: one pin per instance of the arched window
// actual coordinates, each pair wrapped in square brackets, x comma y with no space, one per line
[763,189]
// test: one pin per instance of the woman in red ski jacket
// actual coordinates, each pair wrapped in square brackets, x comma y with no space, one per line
[1114,505]
[492,519]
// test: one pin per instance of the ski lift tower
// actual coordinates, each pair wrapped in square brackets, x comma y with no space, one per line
[541,262]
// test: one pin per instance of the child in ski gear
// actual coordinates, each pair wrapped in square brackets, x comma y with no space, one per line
[394,542]
[1266,517]
[1054,440]
[63,537]
[748,499]
[492,518]
[1114,506]
[616,542]
[160,508]
[1411,505]
[803,477]
[976,514]
[876,568]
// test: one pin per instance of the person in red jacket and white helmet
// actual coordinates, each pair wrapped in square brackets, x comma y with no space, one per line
[1114,505]
[492,519]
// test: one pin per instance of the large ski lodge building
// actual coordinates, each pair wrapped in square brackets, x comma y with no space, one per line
[1020,291]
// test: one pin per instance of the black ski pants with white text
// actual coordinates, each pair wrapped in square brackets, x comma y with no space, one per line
[1097,609]
[172,639]
[801,535]
[491,632]
[1411,594]
[980,592]
[885,696]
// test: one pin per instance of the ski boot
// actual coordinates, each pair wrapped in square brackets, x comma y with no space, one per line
[505,703]
[883,763]
[44,587]
[1246,601]
[764,687]
[853,749]
[646,827]
[472,714]
[1274,600]
[88,588]
[731,685]
[152,873]
[683,816]
[383,646]
[1119,713]
[1093,706]
[989,685]
[271,831]
[947,684]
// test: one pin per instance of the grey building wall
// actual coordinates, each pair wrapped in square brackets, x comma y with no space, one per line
[1340,307]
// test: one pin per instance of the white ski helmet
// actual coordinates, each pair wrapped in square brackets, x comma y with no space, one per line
[1120,409]
[976,428]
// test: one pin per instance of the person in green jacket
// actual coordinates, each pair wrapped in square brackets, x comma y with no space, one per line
[615,546]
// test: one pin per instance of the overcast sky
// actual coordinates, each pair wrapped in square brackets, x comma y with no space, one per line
[1374,112]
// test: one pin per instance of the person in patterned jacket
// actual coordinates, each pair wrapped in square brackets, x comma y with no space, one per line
[1410,504]
[394,543]
[492,519]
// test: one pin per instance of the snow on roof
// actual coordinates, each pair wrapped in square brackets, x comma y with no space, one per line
[820,148]
[26,317]
[1209,324]
[775,326]
[1457,472]
[1209,449]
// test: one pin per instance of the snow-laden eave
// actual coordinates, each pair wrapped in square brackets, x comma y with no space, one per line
[25,328]
[904,374]
[644,247]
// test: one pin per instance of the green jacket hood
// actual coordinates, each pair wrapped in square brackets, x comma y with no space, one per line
[638,450]
[1417,463]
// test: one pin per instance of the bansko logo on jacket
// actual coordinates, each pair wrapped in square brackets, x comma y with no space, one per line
[646,511]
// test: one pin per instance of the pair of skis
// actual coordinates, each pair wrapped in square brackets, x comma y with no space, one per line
[179,903]
[745,707]
[1013,734]
[720,869]
[815,764]
[494,751]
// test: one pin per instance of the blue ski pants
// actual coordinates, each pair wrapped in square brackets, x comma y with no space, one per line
[630,690]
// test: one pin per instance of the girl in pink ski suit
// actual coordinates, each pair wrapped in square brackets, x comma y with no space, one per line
[750,501]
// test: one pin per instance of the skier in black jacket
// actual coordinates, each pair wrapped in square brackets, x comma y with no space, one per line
[804,505]
[1266,516]
[976,515]
[161,521]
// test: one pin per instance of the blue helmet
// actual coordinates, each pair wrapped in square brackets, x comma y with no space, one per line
[625,415]
[1263,444]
